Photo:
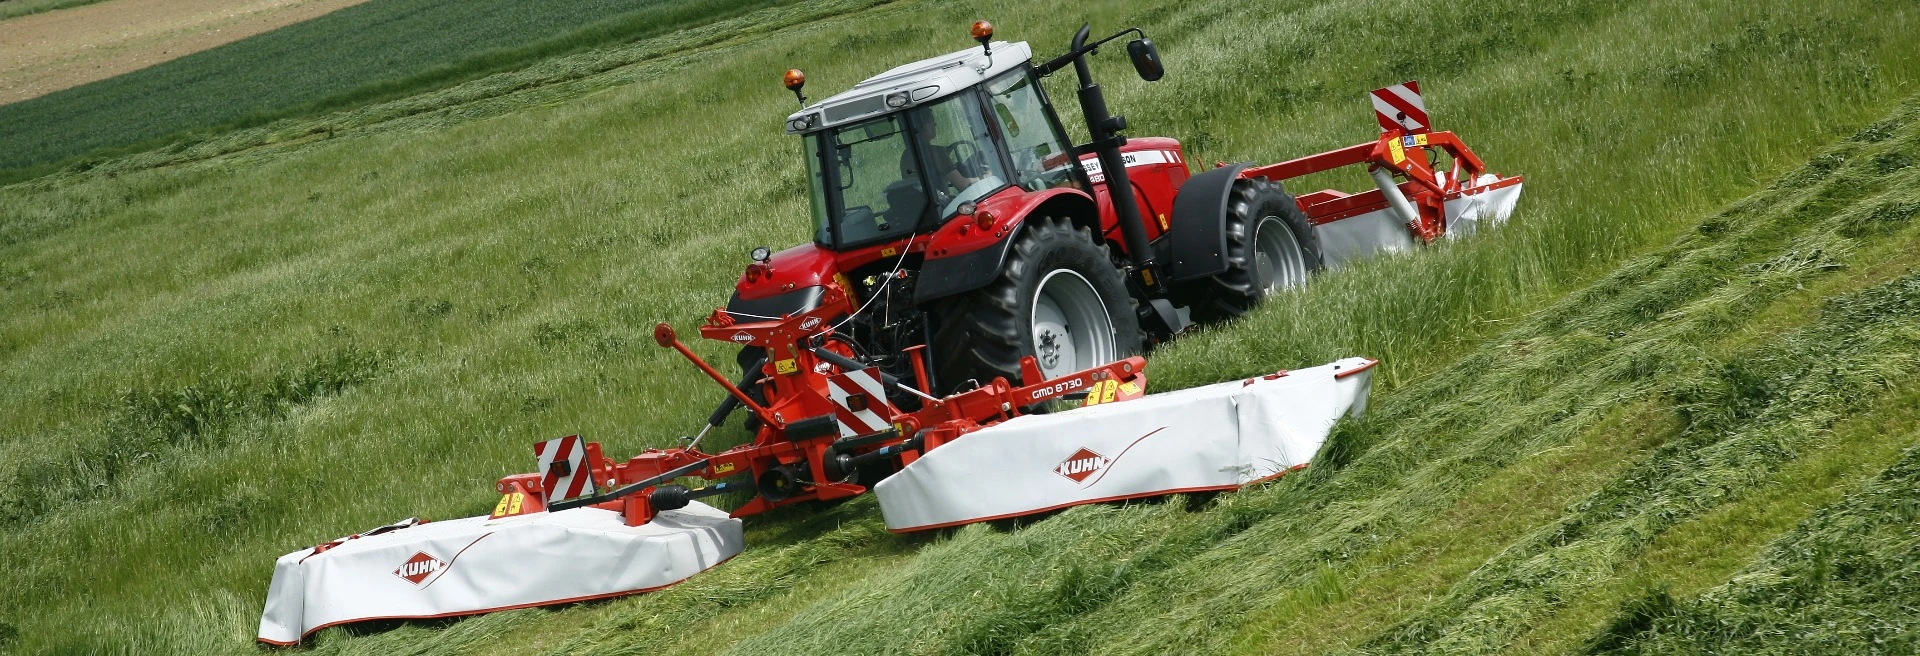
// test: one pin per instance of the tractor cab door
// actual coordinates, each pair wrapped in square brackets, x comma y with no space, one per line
[960,153]
[1036,143]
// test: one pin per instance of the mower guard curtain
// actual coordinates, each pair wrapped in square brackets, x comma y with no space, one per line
[1218,437]
[475,565]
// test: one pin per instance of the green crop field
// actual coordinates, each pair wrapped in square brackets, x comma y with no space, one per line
[1670,408]
[364,53]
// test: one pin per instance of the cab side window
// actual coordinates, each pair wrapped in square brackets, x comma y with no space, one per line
[1041,159]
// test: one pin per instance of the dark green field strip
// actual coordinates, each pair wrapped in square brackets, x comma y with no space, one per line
[12,8]
[368,52]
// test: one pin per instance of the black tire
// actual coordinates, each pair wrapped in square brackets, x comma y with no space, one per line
[983,334]
[1255,206]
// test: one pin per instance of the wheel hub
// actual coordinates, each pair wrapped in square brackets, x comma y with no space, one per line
[1070,327]
[1278,260]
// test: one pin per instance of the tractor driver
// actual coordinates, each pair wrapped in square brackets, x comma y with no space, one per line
[939,164]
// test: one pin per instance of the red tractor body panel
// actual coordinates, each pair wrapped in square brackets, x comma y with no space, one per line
[1157,167]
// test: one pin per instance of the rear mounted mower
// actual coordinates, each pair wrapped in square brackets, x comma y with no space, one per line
[971,277]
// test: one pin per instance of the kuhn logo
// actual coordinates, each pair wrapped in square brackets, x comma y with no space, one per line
[743,337]
[419,567]
[1081,464]
[810,323]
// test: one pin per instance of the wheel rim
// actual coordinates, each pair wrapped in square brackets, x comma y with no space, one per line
[1279,262]
[1070,327]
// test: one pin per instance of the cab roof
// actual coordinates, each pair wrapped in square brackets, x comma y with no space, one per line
[920,82]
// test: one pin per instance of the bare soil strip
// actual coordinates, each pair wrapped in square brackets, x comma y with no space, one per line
[46,52]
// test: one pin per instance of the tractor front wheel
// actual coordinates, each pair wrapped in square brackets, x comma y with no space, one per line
[1057,298]
[1270,246]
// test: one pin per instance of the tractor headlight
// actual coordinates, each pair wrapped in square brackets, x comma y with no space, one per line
[897,99]
[801,123]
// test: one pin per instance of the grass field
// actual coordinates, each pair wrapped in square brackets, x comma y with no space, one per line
[65,49]
[1668,408]
[369,52]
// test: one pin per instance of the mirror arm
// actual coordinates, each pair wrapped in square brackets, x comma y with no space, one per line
[1080,48]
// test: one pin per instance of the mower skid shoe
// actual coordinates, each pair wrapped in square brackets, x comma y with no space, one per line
[477,565]
[1218,437]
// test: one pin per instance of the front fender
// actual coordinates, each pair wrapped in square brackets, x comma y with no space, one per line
[962,257]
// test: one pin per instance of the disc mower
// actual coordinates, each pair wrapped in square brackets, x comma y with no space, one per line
[972,277]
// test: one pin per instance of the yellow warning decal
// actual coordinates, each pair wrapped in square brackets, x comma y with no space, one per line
[1399,154]
[1419,140]
[722,468]
[889,251]
[1129,388]
[1102,392]
[509,505]
[786,366]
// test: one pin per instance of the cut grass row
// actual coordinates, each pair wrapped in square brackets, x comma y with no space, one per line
[497,255]
[12,8]
[358,55]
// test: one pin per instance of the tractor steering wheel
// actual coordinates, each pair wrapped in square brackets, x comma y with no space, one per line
[966,159]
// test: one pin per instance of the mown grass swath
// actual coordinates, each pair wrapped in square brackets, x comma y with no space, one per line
[226,350]
[360,54]
[12,8]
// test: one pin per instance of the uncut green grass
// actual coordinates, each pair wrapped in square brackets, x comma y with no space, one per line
[367,52]
[217,353]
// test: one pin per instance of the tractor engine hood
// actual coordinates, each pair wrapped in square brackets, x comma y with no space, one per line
[786,283]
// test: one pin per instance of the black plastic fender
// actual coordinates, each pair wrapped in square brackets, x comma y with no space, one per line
[943,277]
[1199,223]
[961,273]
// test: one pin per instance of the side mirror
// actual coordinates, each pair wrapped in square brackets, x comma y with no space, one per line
[1146,59]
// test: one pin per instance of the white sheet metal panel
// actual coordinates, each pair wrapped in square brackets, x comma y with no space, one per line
[1363,235]
[1469,213]
[473,565]
[1360,236]
[1206,438]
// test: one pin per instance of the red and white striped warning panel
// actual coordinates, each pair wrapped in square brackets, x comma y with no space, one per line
[859,402]
[563,468]
[1399,107]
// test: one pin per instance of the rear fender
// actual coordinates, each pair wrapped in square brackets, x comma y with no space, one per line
[962,257]
[1199,223]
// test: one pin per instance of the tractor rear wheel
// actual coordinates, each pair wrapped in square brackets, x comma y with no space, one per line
[1057,298]
[1270,246]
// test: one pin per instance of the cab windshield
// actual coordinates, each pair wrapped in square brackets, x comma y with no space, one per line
[885,178]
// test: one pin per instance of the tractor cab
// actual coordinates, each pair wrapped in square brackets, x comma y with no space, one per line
[908,150]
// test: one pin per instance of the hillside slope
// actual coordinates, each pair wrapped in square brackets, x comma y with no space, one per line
[359,54]
[1628,421]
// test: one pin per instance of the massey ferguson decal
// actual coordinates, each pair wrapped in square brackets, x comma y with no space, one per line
[418,568]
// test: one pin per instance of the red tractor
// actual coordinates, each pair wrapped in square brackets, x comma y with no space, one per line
[950,206]
[970,265]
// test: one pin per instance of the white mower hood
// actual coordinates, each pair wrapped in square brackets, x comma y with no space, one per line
[1218,437]
[476,565]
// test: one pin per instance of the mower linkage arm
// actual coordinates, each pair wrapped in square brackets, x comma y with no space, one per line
[609,495]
